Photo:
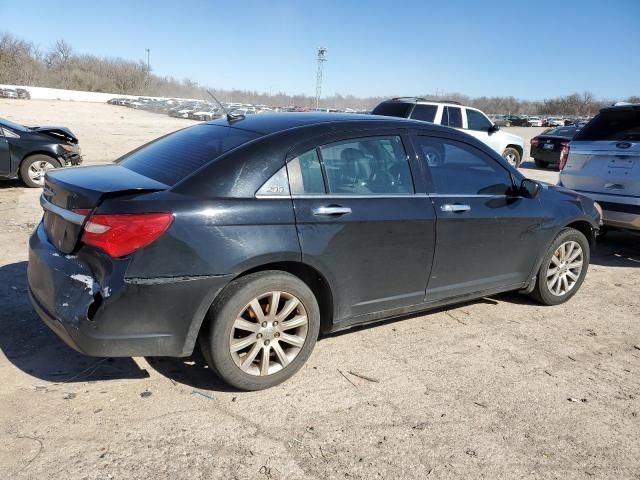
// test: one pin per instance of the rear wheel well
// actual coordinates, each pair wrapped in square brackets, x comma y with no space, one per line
[518,148]
[314,280]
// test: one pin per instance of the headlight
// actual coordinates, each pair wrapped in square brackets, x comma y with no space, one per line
[599,210]
[67,148]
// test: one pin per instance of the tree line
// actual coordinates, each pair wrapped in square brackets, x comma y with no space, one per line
[22,63]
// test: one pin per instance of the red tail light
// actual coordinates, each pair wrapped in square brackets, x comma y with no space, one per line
[564,154]
[534,142]
[120,235]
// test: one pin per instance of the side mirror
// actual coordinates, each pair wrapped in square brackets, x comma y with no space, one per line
[529,188]
[493,128]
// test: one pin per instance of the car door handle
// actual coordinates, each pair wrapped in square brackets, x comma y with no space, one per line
[331,211]
[455,208]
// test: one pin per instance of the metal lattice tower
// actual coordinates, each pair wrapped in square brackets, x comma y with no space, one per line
[322,57]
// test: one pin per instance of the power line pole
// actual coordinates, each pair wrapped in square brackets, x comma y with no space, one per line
[148,66]
[322,53]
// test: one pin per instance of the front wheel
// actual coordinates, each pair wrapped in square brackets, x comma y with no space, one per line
[563,268]
[512,156]
[34,168]
[261,330]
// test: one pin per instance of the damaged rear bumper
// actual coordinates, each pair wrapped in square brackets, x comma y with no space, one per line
[91,305]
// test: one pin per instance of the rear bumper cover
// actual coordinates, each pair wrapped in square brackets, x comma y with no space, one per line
[99,312]
[617,210]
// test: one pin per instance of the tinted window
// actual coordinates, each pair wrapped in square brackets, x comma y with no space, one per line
[371,165]
[393,109]
[452,117]
[563,132]
[459,169]
[173,158]
[477,121]
[623,124]
[426,113]
[305,174]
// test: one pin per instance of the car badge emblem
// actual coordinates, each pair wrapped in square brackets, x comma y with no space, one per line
[623,145]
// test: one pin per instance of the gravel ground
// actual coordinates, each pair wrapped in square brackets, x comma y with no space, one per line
[496,388]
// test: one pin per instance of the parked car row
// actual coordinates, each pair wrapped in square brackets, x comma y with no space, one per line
[206,110]
[15,93]
[537,121]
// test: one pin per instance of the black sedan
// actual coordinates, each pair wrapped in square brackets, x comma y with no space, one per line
[552,147]
[29,152]
[249,236]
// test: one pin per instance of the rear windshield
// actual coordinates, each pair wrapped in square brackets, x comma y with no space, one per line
[176,156]
[623,124]
[562,132]
[393,109]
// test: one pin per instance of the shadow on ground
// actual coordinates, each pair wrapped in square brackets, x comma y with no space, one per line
[617,249]
[33,348]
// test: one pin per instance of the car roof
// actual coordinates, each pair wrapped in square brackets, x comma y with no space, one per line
[622,106]
[267,123]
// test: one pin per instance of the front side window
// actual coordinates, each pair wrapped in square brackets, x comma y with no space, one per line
[452,117]
[477,121]
[460,169]
[426,113]
[367,166]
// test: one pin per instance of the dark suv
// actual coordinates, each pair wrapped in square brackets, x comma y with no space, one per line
[253,235]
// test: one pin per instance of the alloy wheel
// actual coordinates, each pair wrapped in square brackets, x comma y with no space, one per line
[269,333]
[564,268]
[37,171]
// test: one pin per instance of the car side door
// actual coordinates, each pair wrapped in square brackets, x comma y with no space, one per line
[5,155]
[488,235]
[363,223]
[479,126]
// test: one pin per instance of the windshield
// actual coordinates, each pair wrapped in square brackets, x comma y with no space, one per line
[563,132]
[13,126]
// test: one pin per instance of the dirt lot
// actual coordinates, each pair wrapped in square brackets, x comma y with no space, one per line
[480,390]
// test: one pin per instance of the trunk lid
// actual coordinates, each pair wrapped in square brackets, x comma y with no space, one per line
[70,194]
[606,167]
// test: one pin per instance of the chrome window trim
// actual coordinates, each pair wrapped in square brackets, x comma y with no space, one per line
[301,196]
[68,215]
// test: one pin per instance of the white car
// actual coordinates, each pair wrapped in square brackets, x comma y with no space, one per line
[453,114]
[535,121]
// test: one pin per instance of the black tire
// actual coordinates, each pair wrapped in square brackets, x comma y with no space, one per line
[516,156]
[540,164]
[28,162]
[215,338]
[541,292]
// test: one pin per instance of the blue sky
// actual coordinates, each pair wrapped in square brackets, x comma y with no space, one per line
[530,50]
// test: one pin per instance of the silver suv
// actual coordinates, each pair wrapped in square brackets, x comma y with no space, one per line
[604,163]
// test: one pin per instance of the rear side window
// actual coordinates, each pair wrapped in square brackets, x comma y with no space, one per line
[426,113]
[305,174]
[623,124]
[176,156]
[477,121]
[393,109]
[367,166]
[452,117]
